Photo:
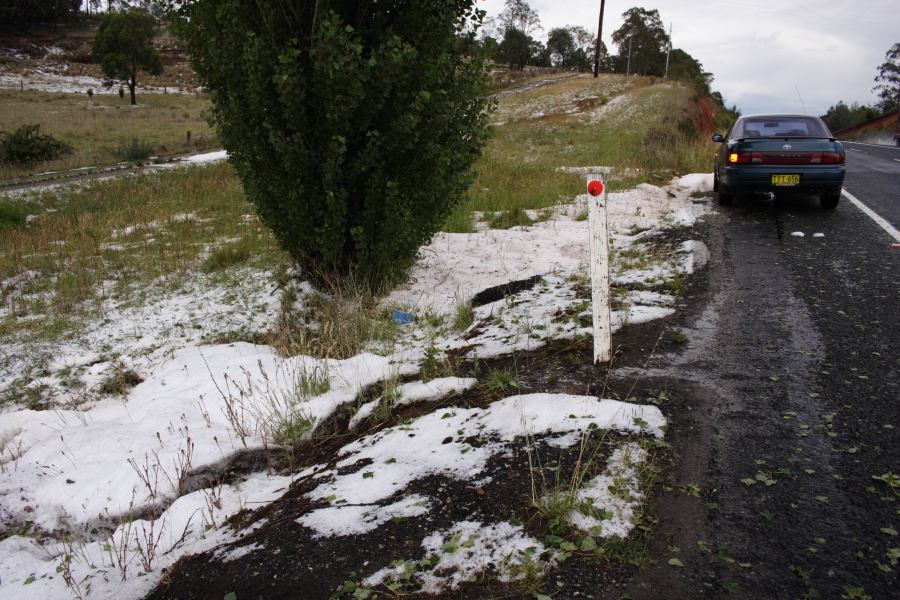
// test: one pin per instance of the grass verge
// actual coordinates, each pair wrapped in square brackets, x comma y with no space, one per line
[647,131]
[99,128]
[72,250]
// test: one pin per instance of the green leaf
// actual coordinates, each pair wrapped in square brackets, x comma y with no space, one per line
[588,544]
[368,475]
[889,530]
[675,562]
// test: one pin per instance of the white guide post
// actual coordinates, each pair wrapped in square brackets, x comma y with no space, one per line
[599,267]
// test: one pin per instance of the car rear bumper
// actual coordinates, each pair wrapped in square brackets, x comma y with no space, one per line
[759,177]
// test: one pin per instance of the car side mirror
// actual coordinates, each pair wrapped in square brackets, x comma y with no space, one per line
[718,138]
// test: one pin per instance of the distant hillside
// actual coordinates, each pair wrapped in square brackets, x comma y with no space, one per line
[66,50]
[880,130]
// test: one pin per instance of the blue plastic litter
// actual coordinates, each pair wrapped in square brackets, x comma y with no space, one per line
[403,317]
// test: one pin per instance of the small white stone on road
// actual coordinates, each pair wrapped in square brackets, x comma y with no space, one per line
[818,235]
[798,234]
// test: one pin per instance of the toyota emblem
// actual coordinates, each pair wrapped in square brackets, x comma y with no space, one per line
[787,146]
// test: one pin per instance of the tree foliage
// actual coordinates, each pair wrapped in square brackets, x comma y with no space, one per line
[28,146]
[22,14]
[643,30]
[124,45]
[518,14]
[516,49]
[353,126]
[684,67]
[572,47]
[888,80]
[840,116]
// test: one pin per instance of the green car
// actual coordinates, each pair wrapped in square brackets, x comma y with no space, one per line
[779,154]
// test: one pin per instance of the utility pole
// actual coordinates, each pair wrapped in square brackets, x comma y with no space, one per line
[630,40]
[668,50]
[599,40]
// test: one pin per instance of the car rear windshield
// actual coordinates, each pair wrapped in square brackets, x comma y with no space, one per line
[780,127]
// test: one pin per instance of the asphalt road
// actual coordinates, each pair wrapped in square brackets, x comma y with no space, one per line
[873,175]
[785,406]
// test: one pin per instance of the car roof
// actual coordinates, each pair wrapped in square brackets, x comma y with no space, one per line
[779,116]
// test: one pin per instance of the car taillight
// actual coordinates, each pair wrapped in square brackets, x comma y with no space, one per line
[832,158]
[739,157]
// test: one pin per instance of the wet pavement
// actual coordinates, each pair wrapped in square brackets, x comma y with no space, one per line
[784,414]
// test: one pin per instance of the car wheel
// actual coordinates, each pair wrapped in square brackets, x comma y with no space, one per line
[829,200]
[726,197]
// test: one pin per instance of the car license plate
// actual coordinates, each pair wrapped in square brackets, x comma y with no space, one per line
[785,180]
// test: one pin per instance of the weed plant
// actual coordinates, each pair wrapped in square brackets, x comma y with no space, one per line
[463,315]
[498,382]
[134,151]
[27,146]
[338,322]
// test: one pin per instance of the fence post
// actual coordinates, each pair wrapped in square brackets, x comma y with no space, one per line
[599,267]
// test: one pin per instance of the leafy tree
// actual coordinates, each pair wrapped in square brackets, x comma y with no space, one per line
[838,117]
[644,31]
[684,67]
[888,80]
[572,47]
[516,49]
[561,45]
[517,14]
[353,126]
[585,44]
[491,48]
[124,45]
[540,55]
[860,114]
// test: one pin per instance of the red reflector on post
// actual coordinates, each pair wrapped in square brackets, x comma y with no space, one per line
[595,187]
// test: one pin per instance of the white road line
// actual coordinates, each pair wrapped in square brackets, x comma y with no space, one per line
[897,159]
[874,216]
[854,149]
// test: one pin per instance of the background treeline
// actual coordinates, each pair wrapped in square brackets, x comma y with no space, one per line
[641,45]
[887,86]
[21,15]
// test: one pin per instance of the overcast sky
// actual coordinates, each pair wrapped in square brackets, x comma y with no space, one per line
[762,52]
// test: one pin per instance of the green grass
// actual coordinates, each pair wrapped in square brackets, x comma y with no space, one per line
[98,128]
[115,238]
[498,382]
[230,255]
[339,323]
[648,138]
[463,315]
[12,215]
